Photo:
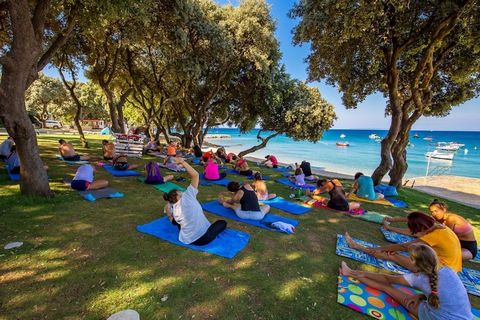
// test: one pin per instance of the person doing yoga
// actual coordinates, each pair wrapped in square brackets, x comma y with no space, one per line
[244,202]
[120,162]
[338,200]
[186,213]
[242,167]
[459,225]
[298,177]
[108,149]
[443,294]
[67,151]
[260,188]
[211,171]
[441,239]
[363,187]
[83,179]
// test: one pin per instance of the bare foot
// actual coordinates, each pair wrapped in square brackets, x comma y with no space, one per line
[350,242]
[345,270]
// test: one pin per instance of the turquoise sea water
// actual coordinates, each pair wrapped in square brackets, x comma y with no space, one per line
[363,154]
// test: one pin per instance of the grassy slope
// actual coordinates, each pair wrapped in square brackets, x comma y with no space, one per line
[84,260]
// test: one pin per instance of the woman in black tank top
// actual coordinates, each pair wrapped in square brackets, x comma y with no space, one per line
[244,202]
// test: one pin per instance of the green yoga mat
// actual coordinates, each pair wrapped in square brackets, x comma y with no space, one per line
[372,216]
[165,187]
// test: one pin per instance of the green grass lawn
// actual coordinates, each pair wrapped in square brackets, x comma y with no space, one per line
[83,260]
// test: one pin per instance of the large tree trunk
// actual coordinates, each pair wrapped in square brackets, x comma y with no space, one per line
[34,179]
[259,146]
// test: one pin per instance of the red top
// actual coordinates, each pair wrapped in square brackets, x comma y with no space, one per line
[273,160]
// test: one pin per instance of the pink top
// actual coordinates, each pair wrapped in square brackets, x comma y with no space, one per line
[211,171]
[274,160]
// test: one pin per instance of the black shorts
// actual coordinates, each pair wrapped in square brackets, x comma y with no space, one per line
[107,158]
[470,246]
[121,166]
[338,206]
[275,166]
[246,173]
[72,158]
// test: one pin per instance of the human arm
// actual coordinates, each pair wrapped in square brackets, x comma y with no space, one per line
[191,171]
[404,231]
[397,247]
[168,210]
[394,219]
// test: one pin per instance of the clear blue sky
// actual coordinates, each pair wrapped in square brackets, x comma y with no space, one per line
[370,113]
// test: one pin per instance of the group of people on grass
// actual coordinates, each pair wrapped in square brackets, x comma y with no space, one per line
[443,239]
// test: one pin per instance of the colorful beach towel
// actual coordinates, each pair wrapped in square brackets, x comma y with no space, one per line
[289,183]
[469,277]
[59,157]
[395,237]
[222,182]
[216,207]
[374,303]
[119,173]
[355,295]
[354,197]
[93,195]
[227,244]
[287,206]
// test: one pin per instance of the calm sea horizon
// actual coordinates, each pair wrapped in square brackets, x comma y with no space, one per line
[363,153]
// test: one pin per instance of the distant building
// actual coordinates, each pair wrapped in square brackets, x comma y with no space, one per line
[93,124]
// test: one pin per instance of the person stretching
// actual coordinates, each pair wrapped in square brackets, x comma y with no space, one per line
[459,225]
[120,162]
[211,171]
[83,179]
[307,170]
[260,188]
[67,151]
[363,187]
[270,161]
[443,294]
[186,212]
[441,239]
[337,201]
[298,177]
[244,202]
[108,149]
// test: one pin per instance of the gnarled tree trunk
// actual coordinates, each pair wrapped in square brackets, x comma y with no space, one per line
[259,146]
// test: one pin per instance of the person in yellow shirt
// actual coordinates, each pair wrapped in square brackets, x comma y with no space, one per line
[438,237]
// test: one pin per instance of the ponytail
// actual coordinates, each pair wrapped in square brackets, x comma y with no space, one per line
[433,299]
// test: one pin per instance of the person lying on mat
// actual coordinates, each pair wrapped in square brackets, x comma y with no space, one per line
[244,202]
[83,179]
[242,167]
[153,174]
[108,149]
[170,164]
[363,187]
[443,294]
[298,177]
[230,158]
[67,151]
[307,170]
[120,162]
[260,188]
[270,161]
[337,201]
[441,239]
[459,225]
[5,148]
[186,212]
[211,171]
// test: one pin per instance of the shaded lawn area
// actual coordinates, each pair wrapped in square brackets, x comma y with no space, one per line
[83,260]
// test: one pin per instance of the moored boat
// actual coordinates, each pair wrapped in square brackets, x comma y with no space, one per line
[342,144]
[374,136]
[439,155]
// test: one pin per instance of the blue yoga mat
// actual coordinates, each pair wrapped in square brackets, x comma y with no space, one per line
[287,206]
[222,182]
[196,161]
[395,237]
[282,169]
[289,183]
[470,277]
[13,176]
[252,177]
[227,244]
[396,202]
[119,173]
[59,157]
[216,208]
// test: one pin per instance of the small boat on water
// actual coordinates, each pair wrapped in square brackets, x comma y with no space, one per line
[342,144]
[416,136]
[374,136]
[342,136]
[428,138]
[447,147]
[439,155]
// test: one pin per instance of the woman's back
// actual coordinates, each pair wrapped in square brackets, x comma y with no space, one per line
[211,170]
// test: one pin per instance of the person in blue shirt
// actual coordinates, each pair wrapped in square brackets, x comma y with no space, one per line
[363,187]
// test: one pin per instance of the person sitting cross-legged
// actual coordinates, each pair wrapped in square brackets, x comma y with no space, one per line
[244,202]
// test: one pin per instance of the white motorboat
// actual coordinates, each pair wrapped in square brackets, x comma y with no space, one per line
[374,136]
[342,136]
[447,146]
[439,155]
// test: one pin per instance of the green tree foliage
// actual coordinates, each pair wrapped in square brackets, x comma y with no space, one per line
[291,108]
[423,56]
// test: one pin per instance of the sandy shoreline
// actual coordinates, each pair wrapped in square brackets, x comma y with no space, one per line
[463,190]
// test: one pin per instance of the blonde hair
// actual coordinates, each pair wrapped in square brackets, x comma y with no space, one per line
[426,261]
